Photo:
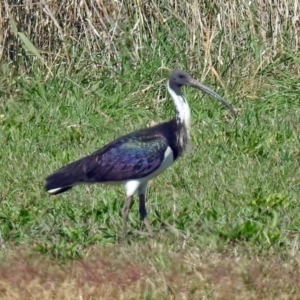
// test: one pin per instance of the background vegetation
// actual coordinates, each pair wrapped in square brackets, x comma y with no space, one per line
[77,74]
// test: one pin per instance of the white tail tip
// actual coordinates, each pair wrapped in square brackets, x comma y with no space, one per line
[53,191]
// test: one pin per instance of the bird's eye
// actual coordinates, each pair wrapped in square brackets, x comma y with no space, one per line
[181,75]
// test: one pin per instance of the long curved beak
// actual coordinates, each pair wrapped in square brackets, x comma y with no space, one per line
[200,86]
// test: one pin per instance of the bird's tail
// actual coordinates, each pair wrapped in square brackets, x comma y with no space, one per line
[65,178]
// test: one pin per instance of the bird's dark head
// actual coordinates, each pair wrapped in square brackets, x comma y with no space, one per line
[179,78]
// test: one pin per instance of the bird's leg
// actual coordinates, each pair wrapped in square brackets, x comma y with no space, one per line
[125,212]
[143,213]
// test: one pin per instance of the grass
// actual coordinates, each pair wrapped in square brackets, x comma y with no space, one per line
[238,182]
[181,272]
[225,216]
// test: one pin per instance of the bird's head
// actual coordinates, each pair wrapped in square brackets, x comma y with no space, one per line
[179,78]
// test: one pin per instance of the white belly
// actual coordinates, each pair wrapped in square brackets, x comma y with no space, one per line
[131,186]
[168,160]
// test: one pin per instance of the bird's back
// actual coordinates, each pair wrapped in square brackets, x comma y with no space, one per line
[132,156]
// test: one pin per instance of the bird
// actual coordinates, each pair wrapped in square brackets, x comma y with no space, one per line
[137,157]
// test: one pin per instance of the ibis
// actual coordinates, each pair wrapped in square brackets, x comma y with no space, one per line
[137,157]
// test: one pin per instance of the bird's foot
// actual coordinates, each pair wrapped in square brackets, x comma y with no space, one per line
[147,224]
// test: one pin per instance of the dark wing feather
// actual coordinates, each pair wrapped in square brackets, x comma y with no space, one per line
[127,159]
[130,157]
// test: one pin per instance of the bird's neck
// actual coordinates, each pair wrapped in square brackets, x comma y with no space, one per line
[183,116]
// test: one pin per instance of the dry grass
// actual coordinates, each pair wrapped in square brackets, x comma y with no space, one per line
[153,272]
[214,30]
[212,39]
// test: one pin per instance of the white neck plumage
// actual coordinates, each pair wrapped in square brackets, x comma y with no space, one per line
[183,117]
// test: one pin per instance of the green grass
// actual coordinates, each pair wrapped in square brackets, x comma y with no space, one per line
[239,183]
[225,216]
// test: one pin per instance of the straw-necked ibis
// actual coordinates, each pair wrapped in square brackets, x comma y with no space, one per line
[135,158]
